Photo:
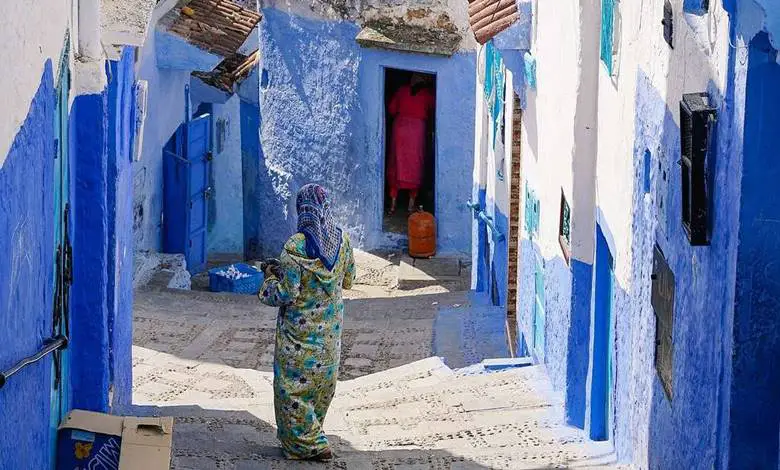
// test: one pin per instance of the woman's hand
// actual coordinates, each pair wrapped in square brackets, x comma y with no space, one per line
[272,267]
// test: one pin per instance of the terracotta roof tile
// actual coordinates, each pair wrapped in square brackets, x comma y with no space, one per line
[490,17]
[218,26]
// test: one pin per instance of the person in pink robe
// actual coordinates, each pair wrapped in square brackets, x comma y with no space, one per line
[411,107]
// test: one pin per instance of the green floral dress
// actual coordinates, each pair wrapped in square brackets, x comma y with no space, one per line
[308,342]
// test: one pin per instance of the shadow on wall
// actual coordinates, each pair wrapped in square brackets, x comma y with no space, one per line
[531,126]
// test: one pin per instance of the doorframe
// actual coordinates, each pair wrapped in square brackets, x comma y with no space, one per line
[60,400]
[602,387]
[383,141]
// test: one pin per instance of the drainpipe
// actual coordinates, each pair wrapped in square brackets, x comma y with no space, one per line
[90,47]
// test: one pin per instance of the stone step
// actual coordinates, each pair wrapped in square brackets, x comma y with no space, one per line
[415,273]
[510,386]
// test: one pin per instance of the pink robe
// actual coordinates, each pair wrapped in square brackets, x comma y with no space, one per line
[408,145]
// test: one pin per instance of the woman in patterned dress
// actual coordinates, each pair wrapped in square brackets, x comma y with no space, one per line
[306,284]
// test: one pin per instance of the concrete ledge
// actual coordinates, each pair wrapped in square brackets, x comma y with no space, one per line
[507,363]
[409,38]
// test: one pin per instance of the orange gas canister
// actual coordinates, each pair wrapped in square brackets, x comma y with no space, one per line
[422,234]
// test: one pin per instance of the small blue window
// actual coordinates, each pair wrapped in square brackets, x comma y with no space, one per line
[607,32]
[530,70]
[697,7]
[647,160]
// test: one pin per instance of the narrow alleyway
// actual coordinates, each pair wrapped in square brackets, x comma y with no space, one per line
[207,360]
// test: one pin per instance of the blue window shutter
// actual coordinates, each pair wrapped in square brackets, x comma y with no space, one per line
[607,32]
[530,70]
[697,7]
[489,60]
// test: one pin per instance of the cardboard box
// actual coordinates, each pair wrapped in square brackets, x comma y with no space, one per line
[88,440]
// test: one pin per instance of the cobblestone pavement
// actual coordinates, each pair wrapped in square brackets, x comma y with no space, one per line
[238,331]
[206,359]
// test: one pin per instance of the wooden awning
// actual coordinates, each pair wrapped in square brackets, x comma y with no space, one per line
[230,71]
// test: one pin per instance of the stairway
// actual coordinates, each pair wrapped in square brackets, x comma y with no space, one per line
[422,415]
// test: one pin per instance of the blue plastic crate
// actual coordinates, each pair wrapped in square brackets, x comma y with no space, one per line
[248,285]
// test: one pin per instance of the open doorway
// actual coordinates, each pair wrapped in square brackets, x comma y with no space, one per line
[410,152]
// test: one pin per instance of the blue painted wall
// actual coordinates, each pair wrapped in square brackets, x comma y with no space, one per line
[101,233]
[174,52]
[89,308]
[578,346]
[26,293]
[334,134]
[121,128]
[226,204]
[683,432]
[755,381]
[556,299]
[165,112]
[251,157]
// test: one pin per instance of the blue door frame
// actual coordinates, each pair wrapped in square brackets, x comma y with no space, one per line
[60,377]
[602,379]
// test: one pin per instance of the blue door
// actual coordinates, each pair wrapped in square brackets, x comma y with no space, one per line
[602,383]
[60,381]
[199,157]
[186,166]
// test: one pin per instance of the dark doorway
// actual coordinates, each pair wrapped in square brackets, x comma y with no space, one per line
[422,89]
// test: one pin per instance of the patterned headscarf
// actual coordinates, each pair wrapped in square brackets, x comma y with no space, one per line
[315,222]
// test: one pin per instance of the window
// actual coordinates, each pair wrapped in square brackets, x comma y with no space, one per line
[696,119]
[531,212]
[647,159]
[662,300]
[564,230]
[530,70]
[608,34]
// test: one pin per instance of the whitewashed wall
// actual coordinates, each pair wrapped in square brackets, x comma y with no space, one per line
[700,55]
[226,212]
[30,34]
[548,120]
